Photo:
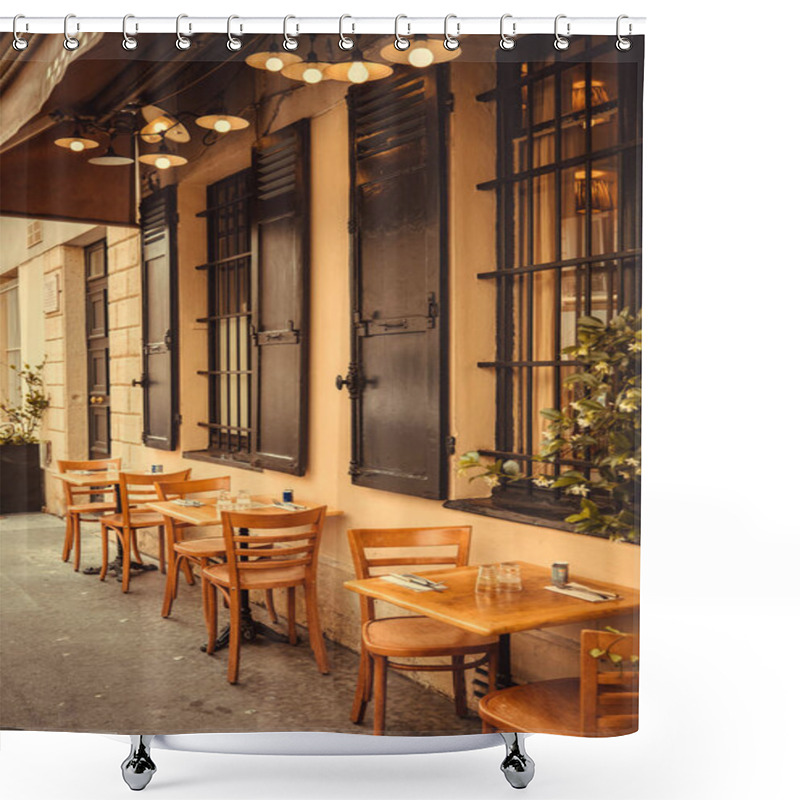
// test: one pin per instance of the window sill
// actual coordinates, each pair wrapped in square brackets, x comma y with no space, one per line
[225,459]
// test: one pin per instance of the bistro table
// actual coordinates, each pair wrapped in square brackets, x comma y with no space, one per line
[207,514]
[86,480]
[501,613]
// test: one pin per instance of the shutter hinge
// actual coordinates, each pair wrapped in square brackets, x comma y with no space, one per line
[433,310]
[450,445]
[351,225]
[450,102]
[179,419]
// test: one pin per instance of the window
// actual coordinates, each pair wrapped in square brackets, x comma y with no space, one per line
[258,268]
[10,343]
[569,227]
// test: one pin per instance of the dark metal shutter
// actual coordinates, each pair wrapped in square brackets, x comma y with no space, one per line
[159,319]
[397,378]
[280,299]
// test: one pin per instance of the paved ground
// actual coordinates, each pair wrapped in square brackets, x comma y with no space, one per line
[78,655]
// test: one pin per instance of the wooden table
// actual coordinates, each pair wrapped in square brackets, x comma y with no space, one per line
[208,514]
[502,613]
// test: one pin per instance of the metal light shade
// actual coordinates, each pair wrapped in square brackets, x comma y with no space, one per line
[163,159]
[76,143]
[358,70]
[272,60]
[311,71]
[222,123]
[111,159]
[160,124]
[421,53]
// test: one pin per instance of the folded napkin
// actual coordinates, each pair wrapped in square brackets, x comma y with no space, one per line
[191,503]
[582,592]
[289,506]
[397,580]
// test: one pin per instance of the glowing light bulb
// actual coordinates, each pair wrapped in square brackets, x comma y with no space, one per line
[420,57]
[160,126]
[274,64]
[222,126]
[162,162]
[358,73]
[77,146]
[312,75]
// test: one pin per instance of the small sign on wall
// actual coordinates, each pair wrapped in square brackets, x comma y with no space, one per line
[50,293]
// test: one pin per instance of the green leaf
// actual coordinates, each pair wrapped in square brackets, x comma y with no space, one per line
[615,657]
[551,413]
[596,652]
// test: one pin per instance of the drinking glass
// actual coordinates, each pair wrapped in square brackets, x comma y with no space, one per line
[486,582]
[242,500]
[509,577]
[225,502]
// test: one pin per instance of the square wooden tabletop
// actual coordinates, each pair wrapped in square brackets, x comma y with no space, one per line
[207,513]
[501,612]
[83,479]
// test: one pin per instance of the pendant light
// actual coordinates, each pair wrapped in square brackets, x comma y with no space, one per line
[222,123]
[111,159]
[421,53]
[272,60]
[163,158]
[160,124]
[311,70]
[358,70]
[77,143]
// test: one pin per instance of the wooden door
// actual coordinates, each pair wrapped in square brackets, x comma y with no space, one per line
[398,374]
[97,351]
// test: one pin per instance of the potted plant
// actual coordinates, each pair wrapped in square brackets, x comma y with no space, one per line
[601,427]
[21,480]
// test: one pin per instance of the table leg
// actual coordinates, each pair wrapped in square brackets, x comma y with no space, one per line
[480,683]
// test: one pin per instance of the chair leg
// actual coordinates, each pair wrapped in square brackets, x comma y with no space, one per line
[290,613]
[380,694]
[67,539]
[234,645]
[171,584]
[494,658]
[187,573]
[104,541]
[162,564]
[459,686]
[76,540]
[135,545]
[315,629]
[363,687]
[128,540]
[273,615]
[210,608]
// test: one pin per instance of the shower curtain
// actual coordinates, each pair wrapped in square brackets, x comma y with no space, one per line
[392,291]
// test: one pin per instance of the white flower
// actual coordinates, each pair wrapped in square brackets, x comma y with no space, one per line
[602,367]
[543,482]
[628,406]
[632,462]
[492,479]
[511,467]
[576,405]
[635,347]
[583,422]
[578,489]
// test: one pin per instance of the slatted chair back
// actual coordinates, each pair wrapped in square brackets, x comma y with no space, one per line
[167,490]
[292,540]
[95,465]
[609,690]
[378,551]
[136,488]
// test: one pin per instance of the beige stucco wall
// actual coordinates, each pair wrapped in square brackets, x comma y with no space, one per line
[472,159]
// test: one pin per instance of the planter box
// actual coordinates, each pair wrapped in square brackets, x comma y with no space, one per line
[21,479]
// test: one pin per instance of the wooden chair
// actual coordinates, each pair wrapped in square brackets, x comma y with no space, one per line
[135,489]
[604,701]
[412,637]
[285,557]
[77,510]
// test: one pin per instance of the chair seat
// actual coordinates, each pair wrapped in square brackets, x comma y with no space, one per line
[201,548]
[91,508]
[404,637]
[257,578]
[139,519]
[543,707]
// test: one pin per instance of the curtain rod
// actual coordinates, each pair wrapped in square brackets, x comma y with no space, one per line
[297,26]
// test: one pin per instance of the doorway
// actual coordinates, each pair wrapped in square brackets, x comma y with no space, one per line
[97,350]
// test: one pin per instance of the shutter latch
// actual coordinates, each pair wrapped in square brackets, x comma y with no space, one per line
[433,310]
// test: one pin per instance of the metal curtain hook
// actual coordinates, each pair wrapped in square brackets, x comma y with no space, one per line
[623,43]
[19,43]
[128,41]
[70,42]
[451,42]
[561,42]
[345,42]
[507,42]
[234,43]
[181,42]
[289,42]
[400,43]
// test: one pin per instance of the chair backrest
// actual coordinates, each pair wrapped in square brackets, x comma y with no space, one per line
[292,540]
[609,683]
[95,465]
[136,488]
[405,548]
[168,489]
